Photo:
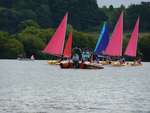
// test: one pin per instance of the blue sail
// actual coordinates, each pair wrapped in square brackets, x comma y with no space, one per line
[102,40]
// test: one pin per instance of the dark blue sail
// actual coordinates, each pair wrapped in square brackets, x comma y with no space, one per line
[102,40]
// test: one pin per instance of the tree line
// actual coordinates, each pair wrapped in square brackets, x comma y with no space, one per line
[84,15]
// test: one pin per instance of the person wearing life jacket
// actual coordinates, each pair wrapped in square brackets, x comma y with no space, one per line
[76,59]
[86,55]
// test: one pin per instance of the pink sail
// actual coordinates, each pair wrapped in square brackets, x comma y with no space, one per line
[56,44]
[114,47]
[131,49]
[68,47]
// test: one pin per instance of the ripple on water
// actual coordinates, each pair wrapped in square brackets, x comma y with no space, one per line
[35,87]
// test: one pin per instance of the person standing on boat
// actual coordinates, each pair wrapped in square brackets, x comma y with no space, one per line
[94,58]
[76,60]
[78,51]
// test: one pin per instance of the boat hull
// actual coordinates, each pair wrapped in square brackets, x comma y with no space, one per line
[136,64]
[105,62]
[133,64]
[53,62]
[81,66]
[118,64]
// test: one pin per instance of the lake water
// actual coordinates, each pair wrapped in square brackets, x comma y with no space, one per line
[36,87]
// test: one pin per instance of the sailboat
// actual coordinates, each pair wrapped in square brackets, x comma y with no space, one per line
[114,48]
[131,49]
[56,44]
[102,42]
[67,64]
[67,53]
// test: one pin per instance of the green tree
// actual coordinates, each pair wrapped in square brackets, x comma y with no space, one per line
[3,39]
[31,42]
[144,47]
[27,23]
[13,48]
[142,11]
[9,20]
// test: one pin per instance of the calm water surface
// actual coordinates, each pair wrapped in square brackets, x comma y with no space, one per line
[36,87]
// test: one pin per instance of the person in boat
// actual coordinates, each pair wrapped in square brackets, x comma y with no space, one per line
[93,57]
[76,59]
[60,59]
[78,51]
[122,61]
[86,55]
[32,57]
[21,56]
[97,59]
[108,59]
[137,61]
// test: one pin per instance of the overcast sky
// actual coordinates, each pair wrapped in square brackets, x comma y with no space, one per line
[117,3]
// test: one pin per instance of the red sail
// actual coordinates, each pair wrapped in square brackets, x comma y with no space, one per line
[56,44]
[68,48]
[132,45]
[114,47]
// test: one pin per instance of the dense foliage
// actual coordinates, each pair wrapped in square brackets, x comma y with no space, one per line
[27,25]
[83,14]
